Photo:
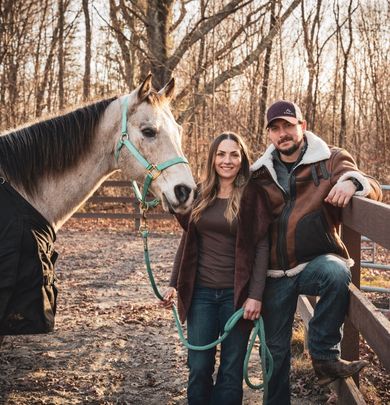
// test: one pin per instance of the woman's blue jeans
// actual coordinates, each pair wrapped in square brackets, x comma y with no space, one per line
[209,311]
[326,276]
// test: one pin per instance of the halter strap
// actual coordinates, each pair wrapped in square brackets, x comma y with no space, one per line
[153,171]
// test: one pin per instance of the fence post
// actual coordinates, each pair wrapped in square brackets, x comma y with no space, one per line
[350,342]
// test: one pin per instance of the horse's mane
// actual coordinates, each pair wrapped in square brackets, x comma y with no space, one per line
[48,147]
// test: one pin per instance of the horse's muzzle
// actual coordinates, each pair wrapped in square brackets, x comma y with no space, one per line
[182,193]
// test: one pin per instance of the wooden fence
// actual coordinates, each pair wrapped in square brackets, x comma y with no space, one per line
[361,217]
[130,205]
[372,219]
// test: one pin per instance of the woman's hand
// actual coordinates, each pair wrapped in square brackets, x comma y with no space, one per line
[252,309]
[169,298]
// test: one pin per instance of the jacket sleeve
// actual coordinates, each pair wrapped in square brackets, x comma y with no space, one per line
[344,167]
[259,273]
[177,261]
[253,243]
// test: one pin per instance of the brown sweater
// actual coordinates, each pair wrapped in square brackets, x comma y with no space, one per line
[216,254]
[252,226]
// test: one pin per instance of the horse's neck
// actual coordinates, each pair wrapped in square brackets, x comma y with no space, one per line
[60,197]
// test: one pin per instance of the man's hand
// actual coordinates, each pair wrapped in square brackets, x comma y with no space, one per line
[169,297]
[341,193]
[252,309]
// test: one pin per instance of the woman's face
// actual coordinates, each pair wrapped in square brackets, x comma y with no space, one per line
[228,159]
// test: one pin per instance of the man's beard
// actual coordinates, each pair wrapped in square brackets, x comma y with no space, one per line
[292,149]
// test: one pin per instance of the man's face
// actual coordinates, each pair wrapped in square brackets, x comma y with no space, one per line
[286,137]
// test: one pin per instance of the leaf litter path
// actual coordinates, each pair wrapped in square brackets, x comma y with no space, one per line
[112,344]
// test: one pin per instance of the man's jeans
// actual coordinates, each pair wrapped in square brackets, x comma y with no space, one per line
[326,276]
[209,311]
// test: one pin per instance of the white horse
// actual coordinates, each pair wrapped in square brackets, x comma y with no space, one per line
[55,165]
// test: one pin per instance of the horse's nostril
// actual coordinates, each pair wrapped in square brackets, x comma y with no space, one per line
[182,193]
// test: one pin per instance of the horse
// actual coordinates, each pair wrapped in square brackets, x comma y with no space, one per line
[50,168]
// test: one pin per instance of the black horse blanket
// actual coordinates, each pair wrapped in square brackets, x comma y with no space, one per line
[27,279]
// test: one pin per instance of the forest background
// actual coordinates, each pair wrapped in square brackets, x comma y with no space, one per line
[230,60]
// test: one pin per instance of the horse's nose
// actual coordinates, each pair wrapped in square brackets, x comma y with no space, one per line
[182,193]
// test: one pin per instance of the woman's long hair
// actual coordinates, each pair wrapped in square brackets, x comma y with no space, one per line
[209,187]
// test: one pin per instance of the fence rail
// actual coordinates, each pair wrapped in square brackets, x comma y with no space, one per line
[132,211]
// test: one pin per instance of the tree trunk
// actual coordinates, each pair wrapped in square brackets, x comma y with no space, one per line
[61,59]
[310,35]
[45,76]
[266,72]
[346,52]
[123,44]
[159,18]
[87,64]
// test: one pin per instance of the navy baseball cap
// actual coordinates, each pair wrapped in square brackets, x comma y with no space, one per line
[285,110]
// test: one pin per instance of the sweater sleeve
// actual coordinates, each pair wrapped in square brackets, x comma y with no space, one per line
[259,273]
[177,261]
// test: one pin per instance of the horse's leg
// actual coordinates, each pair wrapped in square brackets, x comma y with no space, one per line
[1,340]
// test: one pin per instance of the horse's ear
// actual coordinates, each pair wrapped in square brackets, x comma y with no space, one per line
[168,90]
[145,87]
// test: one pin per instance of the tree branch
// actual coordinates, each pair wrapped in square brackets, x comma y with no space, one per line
[240,67]
[203,28]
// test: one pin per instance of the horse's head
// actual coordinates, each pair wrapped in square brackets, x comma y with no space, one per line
[153,131]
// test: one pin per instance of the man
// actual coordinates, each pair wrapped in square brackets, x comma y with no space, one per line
[307,183]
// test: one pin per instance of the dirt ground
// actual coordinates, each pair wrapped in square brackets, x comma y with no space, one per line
[112,344]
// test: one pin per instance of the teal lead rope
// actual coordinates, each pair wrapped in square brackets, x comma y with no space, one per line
[258,329]
[152,172]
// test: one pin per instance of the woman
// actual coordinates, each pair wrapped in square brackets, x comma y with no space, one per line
[219,267]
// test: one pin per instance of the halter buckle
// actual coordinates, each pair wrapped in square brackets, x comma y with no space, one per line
[153,172]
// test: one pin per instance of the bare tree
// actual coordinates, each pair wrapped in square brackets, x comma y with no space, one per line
[61,59]
[87,59]
[335,92]
[230,57]
[16,20]
[346,49]
[310,35]
[43,82]
[266,73]
[238,68]
[374,102]
[123,42]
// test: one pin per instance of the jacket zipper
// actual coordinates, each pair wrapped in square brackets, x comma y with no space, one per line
[281,246]
[281,243]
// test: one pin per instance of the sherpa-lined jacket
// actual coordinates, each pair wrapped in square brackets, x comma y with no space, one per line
[252,225]
[303,225]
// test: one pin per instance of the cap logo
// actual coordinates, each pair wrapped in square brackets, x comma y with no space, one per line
[288,112]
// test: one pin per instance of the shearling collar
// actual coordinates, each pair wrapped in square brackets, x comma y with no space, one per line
[317,150]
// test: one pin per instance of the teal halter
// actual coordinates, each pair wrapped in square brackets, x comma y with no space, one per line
[153,170]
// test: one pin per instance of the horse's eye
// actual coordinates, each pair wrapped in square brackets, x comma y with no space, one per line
[149,132]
